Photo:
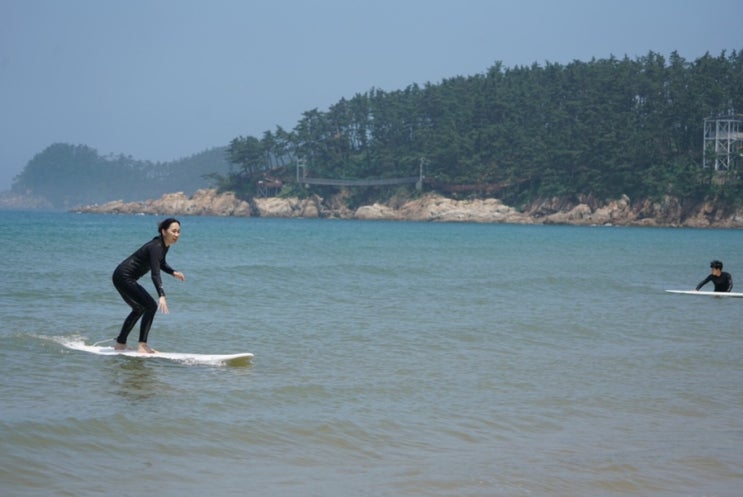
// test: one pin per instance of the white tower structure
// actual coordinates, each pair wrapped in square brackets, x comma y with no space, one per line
[723,142]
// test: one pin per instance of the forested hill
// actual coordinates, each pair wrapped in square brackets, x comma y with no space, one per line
[601,128]
[604,127]
[72,175]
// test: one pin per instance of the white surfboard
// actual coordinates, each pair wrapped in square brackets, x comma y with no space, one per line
[707,294]
[188,358]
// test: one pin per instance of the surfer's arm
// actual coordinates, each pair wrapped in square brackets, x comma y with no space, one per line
[169,270]
[156,256]
[704,282]
[166,268]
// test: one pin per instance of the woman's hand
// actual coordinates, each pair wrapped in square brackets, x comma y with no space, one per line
[179,275]
[163,305]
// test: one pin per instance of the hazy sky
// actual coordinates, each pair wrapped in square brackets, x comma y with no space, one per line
[164,79]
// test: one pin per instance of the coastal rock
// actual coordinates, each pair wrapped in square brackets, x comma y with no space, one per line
[438,208]
[336,206]
[212,204]
[288,207]
[202,203]
[581,210]
[276,207]
[665,212]
[589,213]
[615,212]
[376,212]
[311,208]
[580,214]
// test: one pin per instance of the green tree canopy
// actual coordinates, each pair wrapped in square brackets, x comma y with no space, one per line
[604,127]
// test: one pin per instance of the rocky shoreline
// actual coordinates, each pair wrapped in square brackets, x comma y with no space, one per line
[670,211]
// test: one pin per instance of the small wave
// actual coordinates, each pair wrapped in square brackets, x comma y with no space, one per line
[75,342]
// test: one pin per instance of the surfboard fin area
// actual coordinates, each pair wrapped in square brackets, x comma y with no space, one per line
[79,344]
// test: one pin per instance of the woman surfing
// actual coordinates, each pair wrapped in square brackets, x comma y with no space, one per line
[150,257]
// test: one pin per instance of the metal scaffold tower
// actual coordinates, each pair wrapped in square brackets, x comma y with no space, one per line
[723,142]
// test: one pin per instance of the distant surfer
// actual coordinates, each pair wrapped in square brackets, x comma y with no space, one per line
[723,280]
[150,257]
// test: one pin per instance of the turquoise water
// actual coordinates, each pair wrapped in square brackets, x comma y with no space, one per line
[391,359]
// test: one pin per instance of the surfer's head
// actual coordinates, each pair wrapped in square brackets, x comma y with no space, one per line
[165,224]
[170,230]
[716,267]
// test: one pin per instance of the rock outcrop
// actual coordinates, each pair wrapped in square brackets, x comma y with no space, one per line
[667,211]
[442,209]
[588,211]
[202,203]
[288,207]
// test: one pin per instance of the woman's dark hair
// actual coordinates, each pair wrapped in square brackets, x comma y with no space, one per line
[715,264]
[165,224]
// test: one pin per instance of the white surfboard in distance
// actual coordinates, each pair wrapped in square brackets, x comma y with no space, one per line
[185,357]
[707,294]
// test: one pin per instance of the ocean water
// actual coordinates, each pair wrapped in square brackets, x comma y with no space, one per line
[391,359]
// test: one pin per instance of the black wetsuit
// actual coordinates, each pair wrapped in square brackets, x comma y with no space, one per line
[723,283]
[149,257]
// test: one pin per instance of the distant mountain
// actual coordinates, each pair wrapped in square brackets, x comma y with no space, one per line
[67,176]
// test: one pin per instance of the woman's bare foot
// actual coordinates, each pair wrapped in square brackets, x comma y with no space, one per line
[146,349]
[120,346]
